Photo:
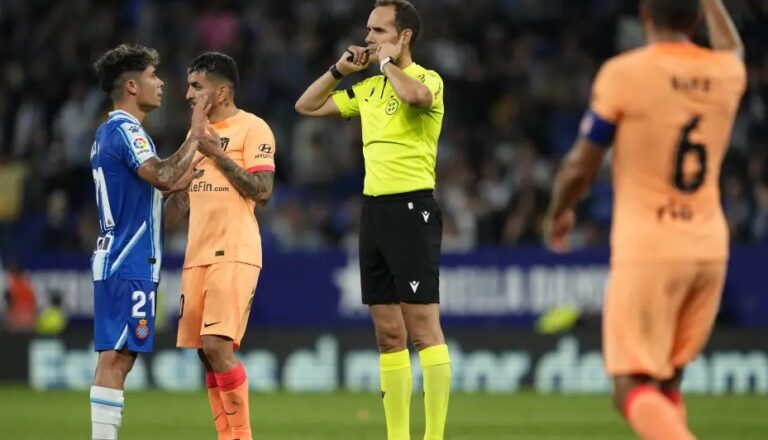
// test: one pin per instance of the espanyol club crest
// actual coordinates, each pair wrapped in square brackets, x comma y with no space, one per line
[142,330]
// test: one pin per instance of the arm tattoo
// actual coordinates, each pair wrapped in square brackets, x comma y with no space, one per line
[257,187]
[176,207]
[169,170]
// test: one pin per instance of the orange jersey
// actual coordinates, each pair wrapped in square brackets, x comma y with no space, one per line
[222,223]
[673,106]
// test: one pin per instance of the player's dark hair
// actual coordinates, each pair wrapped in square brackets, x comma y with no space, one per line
[125,58]
[676,15]
[406,16]
[218,64]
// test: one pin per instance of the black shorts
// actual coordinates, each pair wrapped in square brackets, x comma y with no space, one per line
[400,237]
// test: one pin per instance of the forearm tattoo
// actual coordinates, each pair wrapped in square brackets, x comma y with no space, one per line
[176,207]
[256,186]
[169,170]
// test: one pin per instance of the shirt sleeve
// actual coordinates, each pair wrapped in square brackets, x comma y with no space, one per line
[435,85]
[132,145]
[259,148]
[736,72]
[607,94]
[346,101]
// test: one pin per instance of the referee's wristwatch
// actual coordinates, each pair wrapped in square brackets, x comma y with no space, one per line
[383,64]
[335,72]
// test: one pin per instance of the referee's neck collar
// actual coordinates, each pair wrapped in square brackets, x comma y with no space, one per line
[404,68]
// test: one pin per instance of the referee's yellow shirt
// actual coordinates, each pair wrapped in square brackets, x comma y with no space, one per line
[399,141]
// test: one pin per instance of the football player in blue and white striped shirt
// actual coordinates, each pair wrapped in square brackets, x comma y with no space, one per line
[129,180]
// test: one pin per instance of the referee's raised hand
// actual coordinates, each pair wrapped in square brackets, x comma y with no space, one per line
[354,59]
[391,50]
[399,257]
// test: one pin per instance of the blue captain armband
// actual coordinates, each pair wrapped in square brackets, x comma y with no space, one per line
[597,130]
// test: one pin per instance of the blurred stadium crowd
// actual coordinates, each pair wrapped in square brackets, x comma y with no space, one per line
[517,78]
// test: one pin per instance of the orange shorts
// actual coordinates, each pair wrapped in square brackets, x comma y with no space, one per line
[215,300]
[658,316]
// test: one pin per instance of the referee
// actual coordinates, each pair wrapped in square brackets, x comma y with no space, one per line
[401,114]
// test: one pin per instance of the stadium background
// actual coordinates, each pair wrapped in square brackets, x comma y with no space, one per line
[517,77]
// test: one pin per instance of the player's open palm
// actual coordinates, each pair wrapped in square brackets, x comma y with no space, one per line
[200,116]
[557,231]
[354,59]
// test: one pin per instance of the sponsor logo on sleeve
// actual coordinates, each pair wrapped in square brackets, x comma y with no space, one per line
[140,144]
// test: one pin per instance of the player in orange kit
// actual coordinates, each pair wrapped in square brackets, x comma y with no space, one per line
[668,108]
[223,258]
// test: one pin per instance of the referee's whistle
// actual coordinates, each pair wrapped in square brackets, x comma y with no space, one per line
[352,56]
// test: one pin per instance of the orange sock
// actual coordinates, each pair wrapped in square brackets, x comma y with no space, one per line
[233,386]
[217,409]
[676,397]
[653,417]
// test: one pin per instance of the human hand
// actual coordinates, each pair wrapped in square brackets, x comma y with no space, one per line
[557,229]
[209,143]
[200,116]
[354,59]
[391,50]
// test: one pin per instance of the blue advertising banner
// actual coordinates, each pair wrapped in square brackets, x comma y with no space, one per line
[308,360]
[495,287]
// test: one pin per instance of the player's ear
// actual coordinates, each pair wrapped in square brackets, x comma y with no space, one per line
[406,36]
[222,93]
[131,86]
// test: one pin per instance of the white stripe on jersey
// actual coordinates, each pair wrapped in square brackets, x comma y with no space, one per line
[103,198]
[99,262]
[128,144]
[128,247]
[137,141]
[157,227]
[101,257]
[123,337]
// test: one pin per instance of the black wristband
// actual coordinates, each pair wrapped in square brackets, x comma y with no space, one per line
[335,72]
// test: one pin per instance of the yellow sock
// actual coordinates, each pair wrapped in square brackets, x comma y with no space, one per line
[436,364]
[396,385]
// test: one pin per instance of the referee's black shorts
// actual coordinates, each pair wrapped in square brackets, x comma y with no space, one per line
[400,238]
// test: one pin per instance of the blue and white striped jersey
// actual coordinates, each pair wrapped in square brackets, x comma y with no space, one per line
[130,210]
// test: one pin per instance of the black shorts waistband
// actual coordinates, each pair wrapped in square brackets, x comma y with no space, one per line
[398,196]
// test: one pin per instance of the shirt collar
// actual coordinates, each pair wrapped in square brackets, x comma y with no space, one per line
[125,114]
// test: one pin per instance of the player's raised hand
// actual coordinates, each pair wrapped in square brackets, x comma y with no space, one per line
[200,116]
[557,230]
[210,143]
[354,59]
[391,50]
